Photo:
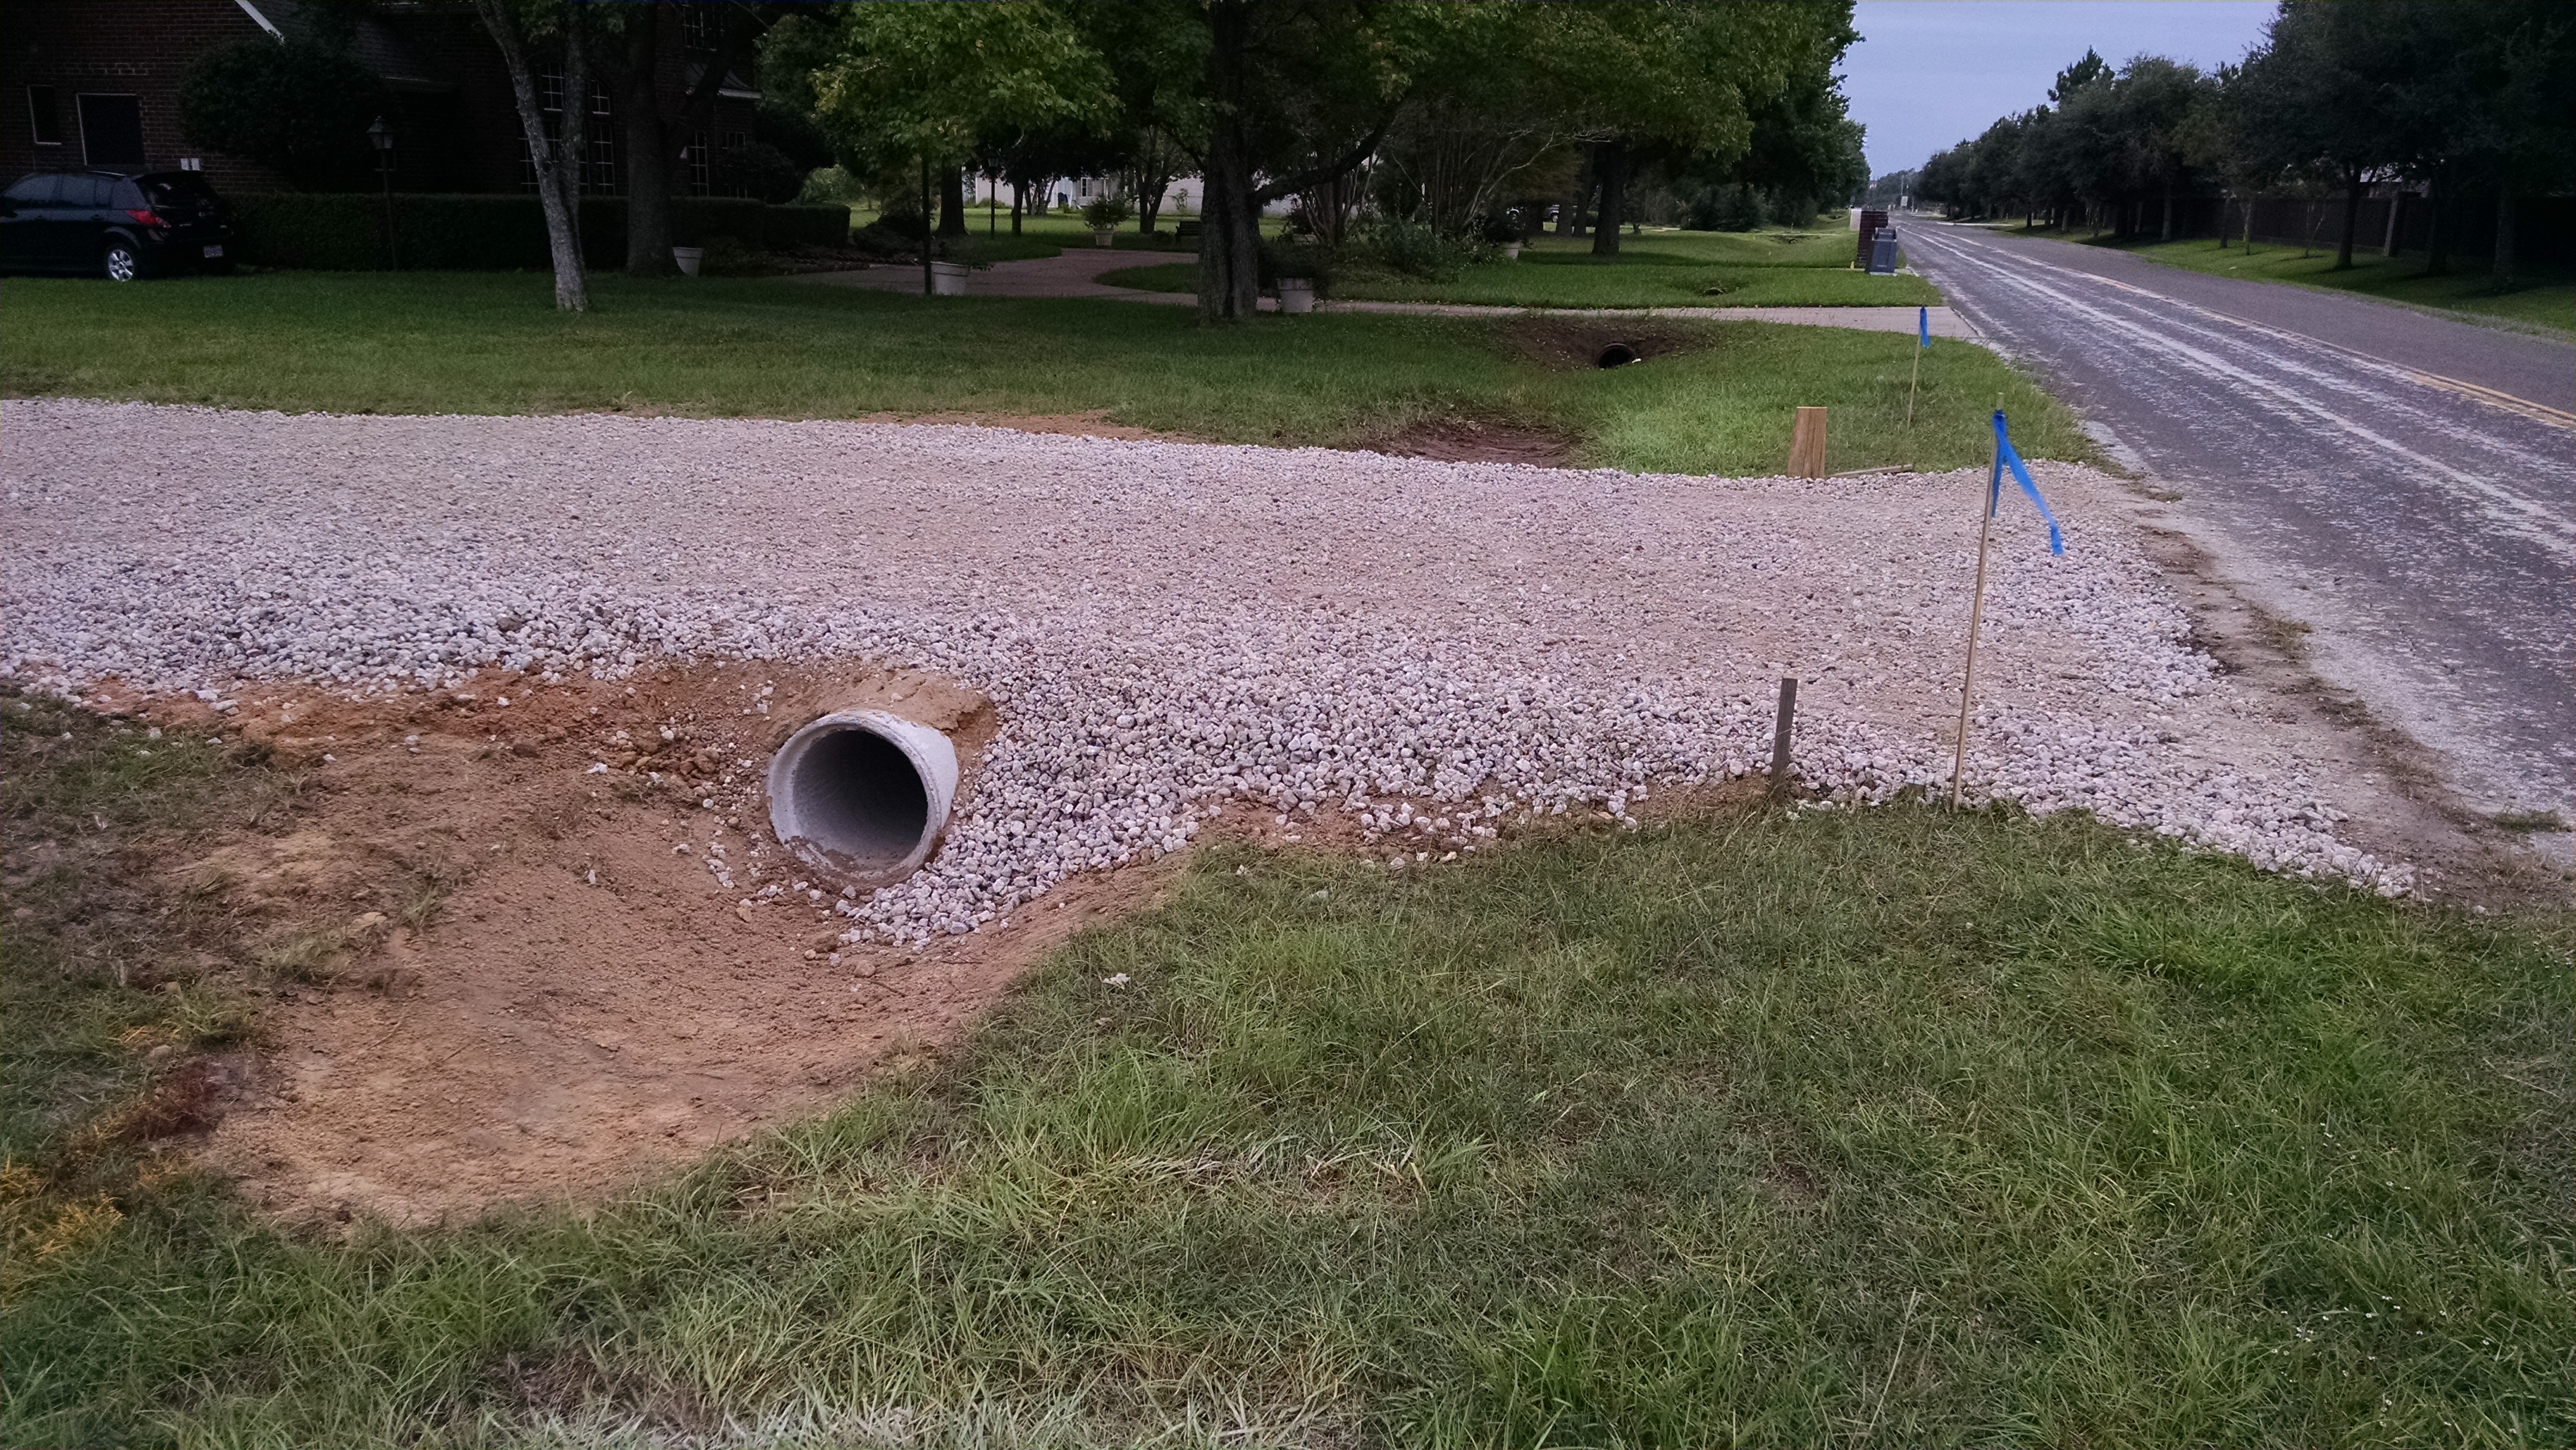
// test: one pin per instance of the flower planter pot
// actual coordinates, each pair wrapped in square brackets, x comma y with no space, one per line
[1105,237]
[1511,251]
[688,259]
[1296,294]
[948,279]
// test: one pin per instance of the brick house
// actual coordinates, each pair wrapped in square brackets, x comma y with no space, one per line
[96,83]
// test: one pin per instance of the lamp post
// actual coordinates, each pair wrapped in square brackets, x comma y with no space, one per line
[381,136]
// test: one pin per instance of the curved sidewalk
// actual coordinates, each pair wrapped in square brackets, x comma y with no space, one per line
[1076,272]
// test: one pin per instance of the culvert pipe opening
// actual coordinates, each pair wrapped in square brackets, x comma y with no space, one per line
[1617,355]
[862,793]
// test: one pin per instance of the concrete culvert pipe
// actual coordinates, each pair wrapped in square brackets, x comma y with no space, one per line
[862,793]
[1618,355]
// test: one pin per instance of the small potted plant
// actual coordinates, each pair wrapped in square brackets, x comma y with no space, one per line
[1103,217]
[1503,230]
[1298,269]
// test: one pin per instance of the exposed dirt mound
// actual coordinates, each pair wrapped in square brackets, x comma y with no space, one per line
[502,966]
[1466,440]
[1577,342]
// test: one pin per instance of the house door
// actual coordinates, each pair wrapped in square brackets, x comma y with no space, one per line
[112,131]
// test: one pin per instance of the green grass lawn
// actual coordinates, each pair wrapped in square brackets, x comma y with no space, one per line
[2545,300]
[1893,1127]
[491,343]
[1659,269]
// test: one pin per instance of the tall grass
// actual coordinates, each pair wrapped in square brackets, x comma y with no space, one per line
[1895,1127]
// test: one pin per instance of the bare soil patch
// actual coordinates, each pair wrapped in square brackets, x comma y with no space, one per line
[1576,342]
[496,973]
[1469,440]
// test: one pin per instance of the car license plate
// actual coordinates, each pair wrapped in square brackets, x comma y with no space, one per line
[214,251]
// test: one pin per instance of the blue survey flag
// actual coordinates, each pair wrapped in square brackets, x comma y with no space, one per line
[1923,327]
[2005,458]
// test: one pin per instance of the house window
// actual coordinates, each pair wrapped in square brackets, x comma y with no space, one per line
[735,143]
[599,135]
[698,163]
[599,169]
[41,115]
[698,27]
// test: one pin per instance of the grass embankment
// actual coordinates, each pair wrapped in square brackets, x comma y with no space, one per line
[2546,300]
[1659,269]
[489,343]
[1895,1127]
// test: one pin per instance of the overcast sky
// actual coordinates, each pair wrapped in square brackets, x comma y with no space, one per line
[1929,73]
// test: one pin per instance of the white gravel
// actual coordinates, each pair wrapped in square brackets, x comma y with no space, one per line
[1168,630]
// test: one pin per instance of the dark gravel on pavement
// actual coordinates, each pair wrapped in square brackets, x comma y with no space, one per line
[2402,483]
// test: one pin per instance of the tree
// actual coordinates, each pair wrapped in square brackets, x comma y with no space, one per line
[933,84]
[1673,79]
[2079,75]
[2529,141]
[1288,97]
[658,134]
[299,106]
[557,156]
[2311,102]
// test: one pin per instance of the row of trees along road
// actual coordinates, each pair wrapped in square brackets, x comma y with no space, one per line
[1469,105]
[2467,99]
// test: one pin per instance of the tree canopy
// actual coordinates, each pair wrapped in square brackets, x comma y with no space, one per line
[1469,106]
[2339,95]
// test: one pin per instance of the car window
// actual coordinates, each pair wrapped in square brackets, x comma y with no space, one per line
[84,191]
[124,195]
[35,190]
[179,191]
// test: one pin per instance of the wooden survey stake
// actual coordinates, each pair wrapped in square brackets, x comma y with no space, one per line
[1807,445]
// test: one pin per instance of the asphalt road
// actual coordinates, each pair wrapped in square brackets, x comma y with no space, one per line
[2402,483]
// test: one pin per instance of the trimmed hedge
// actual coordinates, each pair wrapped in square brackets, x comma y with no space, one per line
[345,231]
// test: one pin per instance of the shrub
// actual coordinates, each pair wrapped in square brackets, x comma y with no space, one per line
[345,232]
[1106,213]
[299,108]
[1416,250]
[1726,207]
[1298,256]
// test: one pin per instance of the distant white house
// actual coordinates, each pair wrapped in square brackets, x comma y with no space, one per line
[1180,199]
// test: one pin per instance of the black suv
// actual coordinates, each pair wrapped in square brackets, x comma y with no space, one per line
[115,224]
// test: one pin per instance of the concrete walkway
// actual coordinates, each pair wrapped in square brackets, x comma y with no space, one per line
[1076,272]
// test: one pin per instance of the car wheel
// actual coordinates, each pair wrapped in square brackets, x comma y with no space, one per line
[121,263]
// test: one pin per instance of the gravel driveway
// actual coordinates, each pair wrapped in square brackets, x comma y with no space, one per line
[1168,630]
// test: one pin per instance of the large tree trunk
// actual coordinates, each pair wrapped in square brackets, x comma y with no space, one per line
[1229,211]
[1610,162]
[952,202]
[2351,221]
[648,150]
[1016,189]
[557,159]
[2502,272]
[2167,234]
[1229,233]
[1569,222]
